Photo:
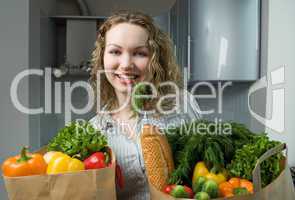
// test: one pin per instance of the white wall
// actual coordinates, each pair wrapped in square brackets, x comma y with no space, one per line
[281,51]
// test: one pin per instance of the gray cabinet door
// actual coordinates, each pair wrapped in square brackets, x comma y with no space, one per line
[179,31]
[224,39]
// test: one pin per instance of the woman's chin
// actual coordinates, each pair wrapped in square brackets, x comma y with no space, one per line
[123,88]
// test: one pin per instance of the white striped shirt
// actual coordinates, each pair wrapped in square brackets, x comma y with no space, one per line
[128,150]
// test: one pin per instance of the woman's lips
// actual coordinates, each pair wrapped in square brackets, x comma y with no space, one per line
[127,79]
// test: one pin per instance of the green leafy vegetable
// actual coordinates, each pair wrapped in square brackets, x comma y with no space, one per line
[245,160]
[78,139]
[199,140]
[138,103]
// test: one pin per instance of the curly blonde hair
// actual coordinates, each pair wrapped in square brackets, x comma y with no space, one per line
[162,63]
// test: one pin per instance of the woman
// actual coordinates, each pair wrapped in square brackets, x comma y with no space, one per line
[131,49]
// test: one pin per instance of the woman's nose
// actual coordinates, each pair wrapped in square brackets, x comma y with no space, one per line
[126,61]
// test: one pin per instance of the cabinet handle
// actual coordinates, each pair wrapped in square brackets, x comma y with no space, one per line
[189,40]
[188,57]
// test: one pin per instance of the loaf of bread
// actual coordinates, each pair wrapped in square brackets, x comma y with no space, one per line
[157,156]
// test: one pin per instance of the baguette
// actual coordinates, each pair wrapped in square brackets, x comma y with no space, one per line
[157,156]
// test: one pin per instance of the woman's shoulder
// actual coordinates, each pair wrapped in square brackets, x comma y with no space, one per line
[101,121]
[94,121]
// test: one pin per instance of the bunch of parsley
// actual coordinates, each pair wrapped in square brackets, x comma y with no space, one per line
[245,160]
[79,139]
[137,100]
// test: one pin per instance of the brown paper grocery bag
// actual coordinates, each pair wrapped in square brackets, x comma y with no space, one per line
[82,185]
[280,189]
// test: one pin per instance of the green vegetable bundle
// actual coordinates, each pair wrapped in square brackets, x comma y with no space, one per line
[79,139]
[238,151]
[191,144]
[245,160]
[137,100]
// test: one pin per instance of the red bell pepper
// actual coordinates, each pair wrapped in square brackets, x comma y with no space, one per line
[97,160]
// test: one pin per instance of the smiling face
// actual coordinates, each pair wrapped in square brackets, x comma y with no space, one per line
[126,56]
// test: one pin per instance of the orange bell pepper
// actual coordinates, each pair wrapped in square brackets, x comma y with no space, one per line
[227,189]
[235,182]
[24,164]
[247,184]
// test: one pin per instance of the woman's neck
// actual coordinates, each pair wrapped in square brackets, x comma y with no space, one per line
[125,109]
[123,99]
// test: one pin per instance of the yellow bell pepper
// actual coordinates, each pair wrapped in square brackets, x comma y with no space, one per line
[61,163]
[201,170]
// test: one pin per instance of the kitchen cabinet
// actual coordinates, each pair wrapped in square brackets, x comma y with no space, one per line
[179,30]
[217,40]
[75,38]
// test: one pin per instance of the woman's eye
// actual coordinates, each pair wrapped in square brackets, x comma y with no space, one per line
[141,54]
[115,52]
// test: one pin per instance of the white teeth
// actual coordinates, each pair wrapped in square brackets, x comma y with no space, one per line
[127,76]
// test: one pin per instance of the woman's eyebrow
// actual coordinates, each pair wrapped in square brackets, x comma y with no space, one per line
[114,45]
[141,46]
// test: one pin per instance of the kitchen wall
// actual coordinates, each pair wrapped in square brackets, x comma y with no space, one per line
[41,55]
[154,7]
[106,7]
[24,33]
[233,104]
[14,50]
[79,100]
[280,50]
